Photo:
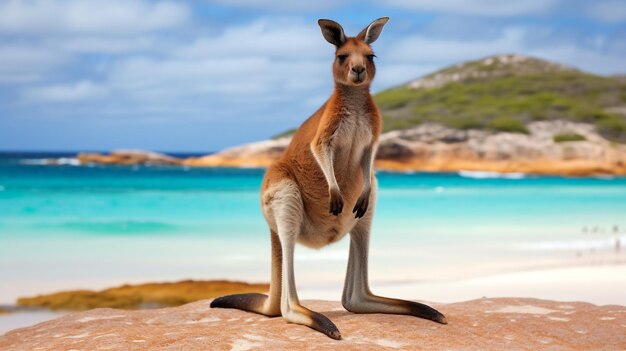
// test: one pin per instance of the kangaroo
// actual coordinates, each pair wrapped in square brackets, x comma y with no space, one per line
[328,164]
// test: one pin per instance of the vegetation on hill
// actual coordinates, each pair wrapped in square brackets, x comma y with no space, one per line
[508,99]
[505,93]
[284,134]
[560,138]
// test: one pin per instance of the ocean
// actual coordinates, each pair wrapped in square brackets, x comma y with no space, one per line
[71,226]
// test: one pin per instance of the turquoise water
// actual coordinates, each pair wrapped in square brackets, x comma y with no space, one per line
[76,224]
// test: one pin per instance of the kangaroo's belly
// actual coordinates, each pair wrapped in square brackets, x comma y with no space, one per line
[320,227]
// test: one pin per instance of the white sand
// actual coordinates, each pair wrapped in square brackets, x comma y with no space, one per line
[600,285]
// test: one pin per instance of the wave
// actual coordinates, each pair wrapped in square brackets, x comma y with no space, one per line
[68,161]
[488,175]
[589,244]
[63,161]
[36,161]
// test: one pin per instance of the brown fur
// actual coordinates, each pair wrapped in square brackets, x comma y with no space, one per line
[327,170]
[298,162]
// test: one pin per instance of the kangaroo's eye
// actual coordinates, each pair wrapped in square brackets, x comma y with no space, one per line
[342,58]
[370,58]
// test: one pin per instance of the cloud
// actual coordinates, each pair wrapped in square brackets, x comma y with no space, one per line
[142,61]
[121,17]
[22,64]
[276,38]
[607,11]
[495,8]
[282,5]
[83,90]
[424,51]
[260,60]
[106,45]
[448,50]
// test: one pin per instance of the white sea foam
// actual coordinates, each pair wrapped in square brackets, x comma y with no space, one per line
[63,161]
[68,161]
[605,177]
[36,161]
[589,244]
[486,175]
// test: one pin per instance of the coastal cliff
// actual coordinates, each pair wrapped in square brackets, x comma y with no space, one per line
[484,324]
[549,147]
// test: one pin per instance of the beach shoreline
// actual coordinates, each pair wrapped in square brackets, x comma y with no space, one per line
[597,284]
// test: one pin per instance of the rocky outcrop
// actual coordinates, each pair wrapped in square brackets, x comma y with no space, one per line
[485,324]
[259,154]
[128,157]
[433,147]
[436,148]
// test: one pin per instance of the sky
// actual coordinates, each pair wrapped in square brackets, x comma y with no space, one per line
[203,75]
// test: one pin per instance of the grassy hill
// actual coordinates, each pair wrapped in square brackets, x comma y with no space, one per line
[504,93]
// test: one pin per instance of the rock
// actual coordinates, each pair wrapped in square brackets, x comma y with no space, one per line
[260,154]
[129,157]
[433,147]
[485,324]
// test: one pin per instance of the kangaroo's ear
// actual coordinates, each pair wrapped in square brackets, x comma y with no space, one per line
[371,32]
[332,31]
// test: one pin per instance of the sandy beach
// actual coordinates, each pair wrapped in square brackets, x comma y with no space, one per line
[441,237]
[598,284]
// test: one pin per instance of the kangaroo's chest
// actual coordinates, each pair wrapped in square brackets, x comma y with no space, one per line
[353,135]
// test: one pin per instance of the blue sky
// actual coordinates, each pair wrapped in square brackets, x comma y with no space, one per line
[202,75]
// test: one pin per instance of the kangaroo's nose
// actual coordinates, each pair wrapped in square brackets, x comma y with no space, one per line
[358,69]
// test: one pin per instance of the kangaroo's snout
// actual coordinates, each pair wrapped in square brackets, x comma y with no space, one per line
[357,74]
[358,69]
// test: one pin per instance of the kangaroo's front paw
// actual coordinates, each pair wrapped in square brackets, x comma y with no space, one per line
[361,204]
[336,202]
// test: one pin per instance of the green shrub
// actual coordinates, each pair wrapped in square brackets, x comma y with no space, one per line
[507,124]
[559,138]
[284,134]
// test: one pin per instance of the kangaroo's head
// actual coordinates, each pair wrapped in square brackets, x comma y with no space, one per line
[354,58]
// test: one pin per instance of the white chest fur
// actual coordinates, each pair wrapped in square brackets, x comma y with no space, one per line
[353,134]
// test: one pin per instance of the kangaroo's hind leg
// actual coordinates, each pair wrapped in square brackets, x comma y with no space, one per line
[285,211]
[259,303]
[357,296]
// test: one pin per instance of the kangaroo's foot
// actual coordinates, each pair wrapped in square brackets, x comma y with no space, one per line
[378,304]
[299,314]
[252,302]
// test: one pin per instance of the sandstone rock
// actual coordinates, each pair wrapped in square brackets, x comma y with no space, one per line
[433,147]
[259,154]
[485,324]
[129,157]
